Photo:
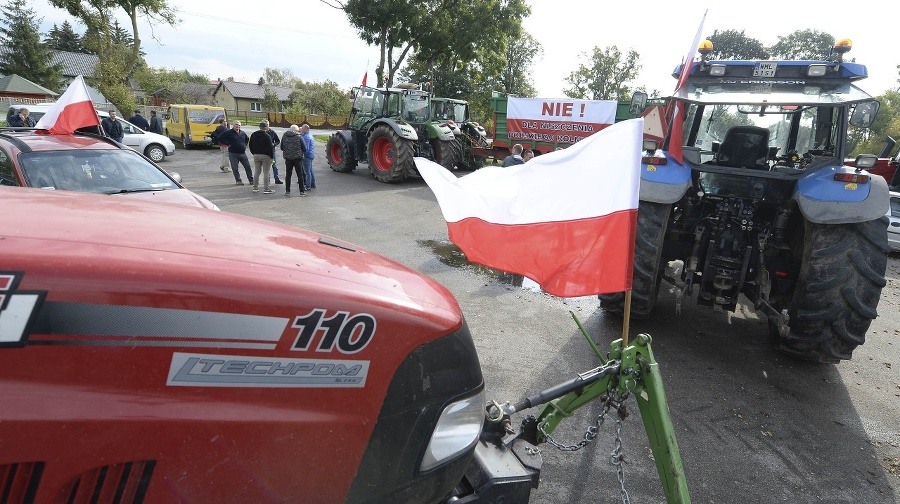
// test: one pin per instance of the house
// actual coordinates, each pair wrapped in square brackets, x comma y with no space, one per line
[16,89]
[248,97]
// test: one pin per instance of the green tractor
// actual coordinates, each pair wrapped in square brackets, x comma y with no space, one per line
[469,133]
[388,128]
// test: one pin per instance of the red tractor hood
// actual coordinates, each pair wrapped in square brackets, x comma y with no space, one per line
[137,335]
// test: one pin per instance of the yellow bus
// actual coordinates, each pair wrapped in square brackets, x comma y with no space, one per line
[192,124]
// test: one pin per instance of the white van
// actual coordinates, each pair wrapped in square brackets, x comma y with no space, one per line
[154,146]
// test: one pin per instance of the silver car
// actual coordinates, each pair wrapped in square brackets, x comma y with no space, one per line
[894,226]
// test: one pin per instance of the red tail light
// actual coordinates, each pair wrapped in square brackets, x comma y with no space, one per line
[654,160]
[856,178]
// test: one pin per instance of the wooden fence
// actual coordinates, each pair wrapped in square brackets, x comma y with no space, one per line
[283,120]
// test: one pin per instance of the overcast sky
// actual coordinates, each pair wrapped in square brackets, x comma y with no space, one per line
[228,38]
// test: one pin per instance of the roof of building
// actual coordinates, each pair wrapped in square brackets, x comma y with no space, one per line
[73,63]
[16,84]
[254,91]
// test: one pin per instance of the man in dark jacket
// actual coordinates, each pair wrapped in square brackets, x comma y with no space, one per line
[138,120]
[220,129]
[275,142]
[112,127]
[155,123]
[293,147]
[262,149]
[236,140]
[21,120]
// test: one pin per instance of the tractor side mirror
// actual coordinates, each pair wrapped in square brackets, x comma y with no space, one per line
[638,103]
[864,114]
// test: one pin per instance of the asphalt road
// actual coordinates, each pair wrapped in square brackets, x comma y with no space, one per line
[753,425]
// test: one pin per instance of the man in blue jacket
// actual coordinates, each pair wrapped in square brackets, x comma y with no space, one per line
[308,159]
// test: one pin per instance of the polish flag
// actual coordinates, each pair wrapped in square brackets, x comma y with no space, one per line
[566,219]
[365,77]
[73,110]
[676,149]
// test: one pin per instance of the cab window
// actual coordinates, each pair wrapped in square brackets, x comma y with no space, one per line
[7,172]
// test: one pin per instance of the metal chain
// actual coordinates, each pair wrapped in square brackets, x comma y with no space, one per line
[617,457]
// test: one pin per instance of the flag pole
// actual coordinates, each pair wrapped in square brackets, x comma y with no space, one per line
[626,318]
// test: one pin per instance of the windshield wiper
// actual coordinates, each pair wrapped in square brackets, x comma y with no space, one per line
[125,191]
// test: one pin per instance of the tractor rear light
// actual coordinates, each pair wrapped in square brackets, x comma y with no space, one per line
[654,160]
[456,431]
[856,178]
[781,274]
[716,70]
[650,145]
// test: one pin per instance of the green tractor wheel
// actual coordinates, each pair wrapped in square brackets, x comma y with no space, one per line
[340,158]
[390,156]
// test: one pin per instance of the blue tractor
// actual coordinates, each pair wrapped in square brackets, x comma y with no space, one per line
[763,204]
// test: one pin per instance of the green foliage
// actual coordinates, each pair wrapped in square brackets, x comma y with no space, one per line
[803,44]
[98,18]
[283,77]
[26,56]
[605,76]
[270,99]
[401,27]
[181,85]
[64,38]
[325,98]
[887,123]
[735,45]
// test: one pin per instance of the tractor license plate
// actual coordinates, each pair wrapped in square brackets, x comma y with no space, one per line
[765,69]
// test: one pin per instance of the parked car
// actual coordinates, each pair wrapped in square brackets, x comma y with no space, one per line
[894,226]
[87,163]
[152,145]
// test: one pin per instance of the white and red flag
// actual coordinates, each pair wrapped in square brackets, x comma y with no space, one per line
[566,220]
[73,110]
[365,77]
[676,139]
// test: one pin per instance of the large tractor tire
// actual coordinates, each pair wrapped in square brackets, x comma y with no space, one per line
[446,152]
[390,156]
[651,230]
[834,301]
[340,157]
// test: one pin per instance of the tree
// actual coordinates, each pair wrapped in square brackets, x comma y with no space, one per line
[319,98]
[64,39]
[735,45]
[116,61]
[98,18]
[803,45]
[520,55]
[887,124]
[401,27]
[26,56]
[282,77]
[270,99]
[182,86]
[605,76]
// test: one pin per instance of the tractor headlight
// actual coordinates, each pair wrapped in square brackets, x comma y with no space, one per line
[456,431]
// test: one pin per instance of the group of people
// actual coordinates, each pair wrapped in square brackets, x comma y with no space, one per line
[297,147]
[519,155]
[113,127]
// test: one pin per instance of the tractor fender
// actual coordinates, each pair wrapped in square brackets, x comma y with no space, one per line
[436,130]
[665,183]
[823,200]
[347,136]
[402,129]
